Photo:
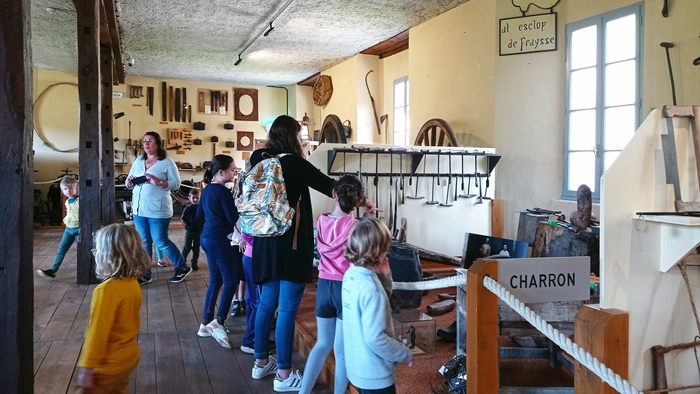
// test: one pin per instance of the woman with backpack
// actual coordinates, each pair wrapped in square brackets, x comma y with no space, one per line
[282,264]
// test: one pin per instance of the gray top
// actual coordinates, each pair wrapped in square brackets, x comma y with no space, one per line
[368,331]
[153,201]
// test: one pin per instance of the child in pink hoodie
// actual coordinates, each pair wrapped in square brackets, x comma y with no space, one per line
[333,230]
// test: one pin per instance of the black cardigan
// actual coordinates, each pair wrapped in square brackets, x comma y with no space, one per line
[273,257]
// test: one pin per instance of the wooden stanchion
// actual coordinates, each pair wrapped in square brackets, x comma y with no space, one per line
[482,329]
[605,334]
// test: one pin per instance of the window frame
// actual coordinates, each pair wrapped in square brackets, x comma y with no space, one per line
[600,22]
[397,81]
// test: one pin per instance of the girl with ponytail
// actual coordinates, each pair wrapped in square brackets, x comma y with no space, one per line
[219,214]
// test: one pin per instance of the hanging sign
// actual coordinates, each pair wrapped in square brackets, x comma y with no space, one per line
[546,279]
[527,34]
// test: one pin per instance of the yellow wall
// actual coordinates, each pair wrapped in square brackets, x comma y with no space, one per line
[271,103]
[451,71]
[343,102]
[366,126]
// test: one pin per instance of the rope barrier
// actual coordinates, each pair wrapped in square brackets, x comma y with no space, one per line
[585,358]
[451,281]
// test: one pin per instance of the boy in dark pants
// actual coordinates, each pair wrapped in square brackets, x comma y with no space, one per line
[193,228]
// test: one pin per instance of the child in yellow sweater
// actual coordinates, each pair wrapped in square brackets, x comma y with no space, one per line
[69,188]
[110,351]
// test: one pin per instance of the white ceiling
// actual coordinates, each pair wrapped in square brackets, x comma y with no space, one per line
[200,40]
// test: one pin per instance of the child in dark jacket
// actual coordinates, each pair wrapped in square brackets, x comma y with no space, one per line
[193,229]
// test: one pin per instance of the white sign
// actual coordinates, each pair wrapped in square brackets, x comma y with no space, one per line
[527,34]
[546,279]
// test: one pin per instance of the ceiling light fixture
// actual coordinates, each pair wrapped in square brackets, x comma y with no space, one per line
[264,32]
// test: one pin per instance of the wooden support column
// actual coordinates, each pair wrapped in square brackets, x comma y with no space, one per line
[482,329]
[605,334]
[16,178]
[497,218]
[89,88]
[107,64]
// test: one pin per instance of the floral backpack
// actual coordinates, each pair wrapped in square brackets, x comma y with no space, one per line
[264,208]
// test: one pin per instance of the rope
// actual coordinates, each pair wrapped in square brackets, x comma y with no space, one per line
[451,281]
[585,358]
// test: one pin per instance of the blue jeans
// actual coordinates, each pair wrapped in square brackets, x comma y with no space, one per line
[288,296]
[222,271]
[153,230]
[252,299]
[387,390]
[69,236]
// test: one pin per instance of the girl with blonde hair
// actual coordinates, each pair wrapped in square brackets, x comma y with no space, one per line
[110,351]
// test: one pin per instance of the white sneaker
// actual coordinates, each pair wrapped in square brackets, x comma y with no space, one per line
[219,333]
[292,383]
[204,331]
[260,371]
[246,349]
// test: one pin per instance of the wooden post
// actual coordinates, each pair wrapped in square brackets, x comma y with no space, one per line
[605,334]
[88,15]
[497,218]
[482,329]
[108,209]
[16,178]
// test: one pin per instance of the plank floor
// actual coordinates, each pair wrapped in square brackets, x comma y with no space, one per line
[173,358]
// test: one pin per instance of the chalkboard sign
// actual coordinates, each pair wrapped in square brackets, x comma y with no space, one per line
[527,34]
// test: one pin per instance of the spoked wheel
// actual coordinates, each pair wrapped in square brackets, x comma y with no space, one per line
[436,132]
[332,130]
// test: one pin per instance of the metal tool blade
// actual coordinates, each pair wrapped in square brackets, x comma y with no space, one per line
[668,145]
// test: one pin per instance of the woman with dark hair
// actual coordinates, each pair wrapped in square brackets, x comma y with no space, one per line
[278,266]
[219,214]
[152,205]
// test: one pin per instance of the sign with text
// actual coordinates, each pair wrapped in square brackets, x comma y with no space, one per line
[546,279]
[527,34]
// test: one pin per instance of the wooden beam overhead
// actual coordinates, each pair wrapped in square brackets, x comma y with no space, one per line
[113,23]
[16,177]
[310,81]
[389,46]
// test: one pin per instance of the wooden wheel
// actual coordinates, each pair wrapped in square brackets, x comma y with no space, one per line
[332,130]
[436,132]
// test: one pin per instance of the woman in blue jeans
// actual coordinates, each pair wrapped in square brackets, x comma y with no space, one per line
[219,214]
[282,264]
[152,205]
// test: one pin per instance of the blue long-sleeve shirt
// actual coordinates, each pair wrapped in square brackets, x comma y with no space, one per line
[149,200]
[368,331]
[218,211]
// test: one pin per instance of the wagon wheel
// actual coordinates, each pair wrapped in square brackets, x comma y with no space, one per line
[433,133]
[332,130]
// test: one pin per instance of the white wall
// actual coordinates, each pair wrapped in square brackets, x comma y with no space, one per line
[657,302]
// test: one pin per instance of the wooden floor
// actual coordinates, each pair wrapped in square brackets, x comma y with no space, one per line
[173,358]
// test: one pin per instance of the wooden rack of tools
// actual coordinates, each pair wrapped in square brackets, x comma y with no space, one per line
[212,102]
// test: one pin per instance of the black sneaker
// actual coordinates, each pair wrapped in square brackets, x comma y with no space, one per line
[144,280]
[195,267]
[235,308]
[47,273]
[180,275]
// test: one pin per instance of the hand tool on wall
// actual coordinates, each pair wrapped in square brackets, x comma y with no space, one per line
[211,101]
[201,102]
[374,107]
[150,93]
[667,45]
[164,102]
[432,194]
[488,176]
[415,195]
[403,191]
[391,186]
[184,104]
[376,181]
[396,210]
[664,11]
[177,104]
[478,179]
[129,142]
[449,181]
[171,102]
[457,180]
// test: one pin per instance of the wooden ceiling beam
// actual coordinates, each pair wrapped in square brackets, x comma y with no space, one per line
[389,45]
[113,23]
[310,81]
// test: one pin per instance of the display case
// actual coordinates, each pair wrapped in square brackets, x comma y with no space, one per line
[462,313]
[416,330]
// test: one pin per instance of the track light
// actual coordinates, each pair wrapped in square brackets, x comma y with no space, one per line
[269,30]
[238,61]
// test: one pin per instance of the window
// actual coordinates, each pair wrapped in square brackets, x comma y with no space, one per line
[603,105]
[401,123]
